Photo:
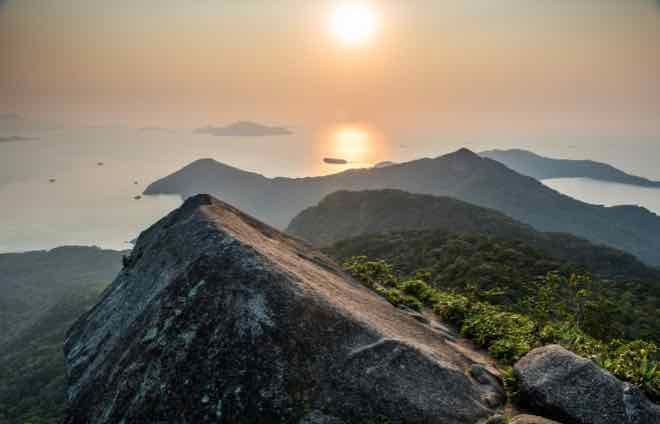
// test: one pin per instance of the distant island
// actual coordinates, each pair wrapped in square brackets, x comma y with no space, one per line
[335,161]
[154,129]
[542,168]
[9,116]
[244,129]
[14,138]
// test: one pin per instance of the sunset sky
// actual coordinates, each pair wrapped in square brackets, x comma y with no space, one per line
[362,81]
[469,68]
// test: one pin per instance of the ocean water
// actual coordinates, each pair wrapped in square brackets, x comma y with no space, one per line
[607,194]
[37,214]
[93,204]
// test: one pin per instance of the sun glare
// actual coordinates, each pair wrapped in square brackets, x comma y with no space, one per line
[351,143]
[354,23]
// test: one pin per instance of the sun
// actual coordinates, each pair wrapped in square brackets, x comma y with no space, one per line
[354,23]
[351,142]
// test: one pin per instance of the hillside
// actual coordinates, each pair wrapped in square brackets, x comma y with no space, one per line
[343,215]
[506,272]
[41,294]
[463,175]
[541,168]
[32,374]
[32,283]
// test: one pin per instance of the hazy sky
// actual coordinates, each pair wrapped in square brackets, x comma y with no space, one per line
[565,78]
[469,68]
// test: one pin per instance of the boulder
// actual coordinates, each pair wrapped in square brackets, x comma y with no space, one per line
[217,317]
[558,384]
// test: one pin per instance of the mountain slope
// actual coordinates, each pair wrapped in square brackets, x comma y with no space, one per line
[344,215]
[31,283]
[506,272]
[541,168]
[32,375]
[462,174]
[41,294]
[219,318]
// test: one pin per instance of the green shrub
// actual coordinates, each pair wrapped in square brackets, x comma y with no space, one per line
[569,336]
[371,273]
[508,336]
[511,385]
[418,289]
[635,362]
[397,298]
[451,307]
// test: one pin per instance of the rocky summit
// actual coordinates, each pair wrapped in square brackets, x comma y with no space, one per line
[217,317]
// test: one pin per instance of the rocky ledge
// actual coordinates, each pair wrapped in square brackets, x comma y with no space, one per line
[217,317]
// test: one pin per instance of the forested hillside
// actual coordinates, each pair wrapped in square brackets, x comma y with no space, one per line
[506,273]
[345,214]
[41,294]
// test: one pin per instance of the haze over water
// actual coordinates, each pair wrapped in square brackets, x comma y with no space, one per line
[607,194]
[90,204]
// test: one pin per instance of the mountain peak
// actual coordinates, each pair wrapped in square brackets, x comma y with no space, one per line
[207,163]
[198,200]
[217,310]
[463,153]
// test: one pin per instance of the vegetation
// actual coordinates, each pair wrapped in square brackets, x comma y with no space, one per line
[41,294]
[559,312]
[32,282]
[33,388]
[511,274]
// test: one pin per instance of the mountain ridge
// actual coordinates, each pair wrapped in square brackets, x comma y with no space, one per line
[462,174]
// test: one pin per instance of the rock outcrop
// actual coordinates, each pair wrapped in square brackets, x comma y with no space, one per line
[560,385]
[217,317]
